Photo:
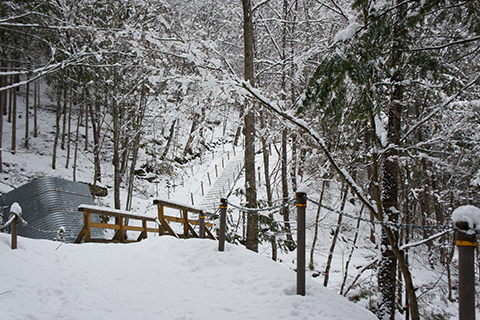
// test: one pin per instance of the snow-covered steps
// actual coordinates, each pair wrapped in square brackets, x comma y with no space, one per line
[224,184]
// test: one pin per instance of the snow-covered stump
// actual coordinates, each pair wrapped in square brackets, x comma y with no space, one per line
[301,204]
[467,221]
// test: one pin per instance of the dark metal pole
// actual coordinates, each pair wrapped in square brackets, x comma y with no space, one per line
[201,217]
[223,221]
[466,246]
[301,198]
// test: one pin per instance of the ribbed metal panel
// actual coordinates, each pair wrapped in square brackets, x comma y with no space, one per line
[48,204]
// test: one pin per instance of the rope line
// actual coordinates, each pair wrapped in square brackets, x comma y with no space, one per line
[273,208]
[372,221]
[398,225]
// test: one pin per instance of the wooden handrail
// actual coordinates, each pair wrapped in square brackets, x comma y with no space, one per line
[188,229]
[119,225]
[162,229]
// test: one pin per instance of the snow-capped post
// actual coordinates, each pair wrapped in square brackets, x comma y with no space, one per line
[301,203]
[16,214]
[466,220]
[201,217]
[14,233]
[223,222]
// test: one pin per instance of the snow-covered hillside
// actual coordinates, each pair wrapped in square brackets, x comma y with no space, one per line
[159,278]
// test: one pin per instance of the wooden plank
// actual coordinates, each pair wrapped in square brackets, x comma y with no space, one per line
[180,220]
[192,231]
[210,235]
[80,236]
[177,206]
[104,226]
[185,223]
[144,233]
[86,225]
[166,227]
[114,213]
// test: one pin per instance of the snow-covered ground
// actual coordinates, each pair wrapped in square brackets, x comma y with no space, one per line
[159,278]
[165,278]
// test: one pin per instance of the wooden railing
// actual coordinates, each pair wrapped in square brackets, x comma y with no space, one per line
[120,224]
[188,224]
[160,225]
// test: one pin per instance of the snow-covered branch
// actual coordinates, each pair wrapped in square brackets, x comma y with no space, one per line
[418,243]
[317,138]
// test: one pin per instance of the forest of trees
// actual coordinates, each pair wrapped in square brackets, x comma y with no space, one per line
[390,86]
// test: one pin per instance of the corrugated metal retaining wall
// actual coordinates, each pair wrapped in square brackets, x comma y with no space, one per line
[48,204]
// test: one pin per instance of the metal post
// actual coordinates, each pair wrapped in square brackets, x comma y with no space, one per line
[223,221]
[301,202]
[201,217]
[14,233]
[466,246]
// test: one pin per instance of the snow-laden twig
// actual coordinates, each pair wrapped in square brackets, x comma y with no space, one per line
[418,243]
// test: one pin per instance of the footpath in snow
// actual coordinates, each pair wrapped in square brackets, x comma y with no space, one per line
[158,278]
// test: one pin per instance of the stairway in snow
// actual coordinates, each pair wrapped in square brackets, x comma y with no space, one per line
[224,184]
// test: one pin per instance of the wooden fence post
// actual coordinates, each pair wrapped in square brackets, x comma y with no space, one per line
[14,233]
[466,246]
[301,203]
[223,221]
[86,225]
[201,217]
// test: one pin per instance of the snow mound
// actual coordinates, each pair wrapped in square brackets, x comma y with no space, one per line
[468,213]
[158,278]
[348,33]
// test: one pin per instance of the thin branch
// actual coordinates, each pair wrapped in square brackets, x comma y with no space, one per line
[436,110]
[418,243]
[443,46]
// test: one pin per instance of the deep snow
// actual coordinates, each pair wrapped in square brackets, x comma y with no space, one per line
[158,278]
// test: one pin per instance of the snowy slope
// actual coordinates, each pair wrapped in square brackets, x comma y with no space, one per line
[159,278]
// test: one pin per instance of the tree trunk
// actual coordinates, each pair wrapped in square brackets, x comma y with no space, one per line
[73,94]
[36,105]
[349,259]
[137,128]
[94,115]
[191,136]
[116,152]
[77,136]
[27,104]
[249,119]
[268,187]
[14,116]
[57,129]
[64,122]
[3,107]
[169,141]
[284,211]
[311,264]
[326,274]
